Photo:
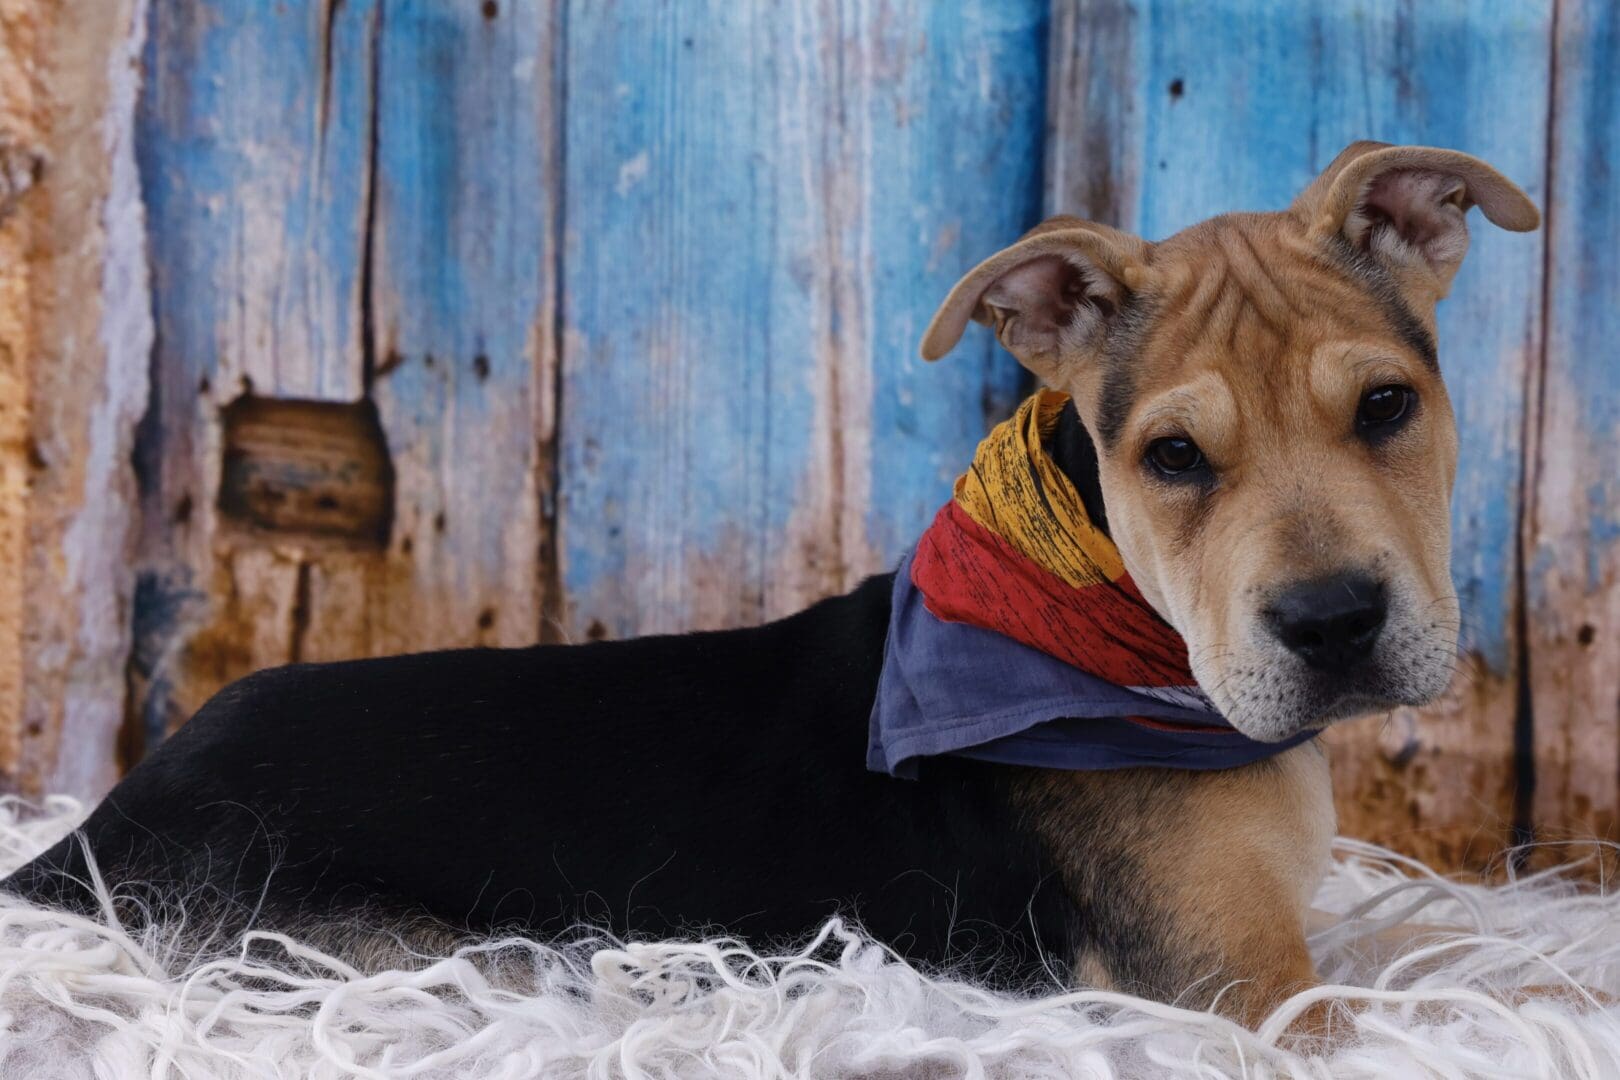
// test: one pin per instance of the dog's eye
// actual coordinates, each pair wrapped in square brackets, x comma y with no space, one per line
[1174,456]
[1384,405]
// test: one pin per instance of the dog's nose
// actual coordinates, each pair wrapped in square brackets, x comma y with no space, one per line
[1331,623]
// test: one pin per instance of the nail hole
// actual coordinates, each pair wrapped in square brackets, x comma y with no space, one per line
[486,618]
[1586,634]
[481,367]
[1177,88]
[491,9]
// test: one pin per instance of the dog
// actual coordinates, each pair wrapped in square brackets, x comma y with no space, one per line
[1266,438]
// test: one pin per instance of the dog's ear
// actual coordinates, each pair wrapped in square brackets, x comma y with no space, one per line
[1406,206]
[1047,296]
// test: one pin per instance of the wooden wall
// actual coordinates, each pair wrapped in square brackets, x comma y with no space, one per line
[515,320]
[629,300]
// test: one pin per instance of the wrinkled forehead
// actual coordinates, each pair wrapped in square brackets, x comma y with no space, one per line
[1246,302]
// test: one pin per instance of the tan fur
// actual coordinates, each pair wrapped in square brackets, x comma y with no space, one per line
[1223,865]
[1262,361]
[1256,336]
[1272,859]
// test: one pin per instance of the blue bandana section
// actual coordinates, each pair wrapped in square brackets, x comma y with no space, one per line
[951,688]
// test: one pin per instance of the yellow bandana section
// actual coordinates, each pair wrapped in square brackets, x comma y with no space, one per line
[1015,490]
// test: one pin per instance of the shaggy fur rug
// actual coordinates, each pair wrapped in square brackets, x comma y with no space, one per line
[82,998]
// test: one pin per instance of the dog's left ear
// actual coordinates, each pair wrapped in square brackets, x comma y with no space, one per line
[1406,206]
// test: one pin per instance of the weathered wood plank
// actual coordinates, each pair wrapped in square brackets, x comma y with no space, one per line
[255,132]
[1223,112]
[254,151]
[75,324]
[764,205]
[1573,534]
[350,547]
[462,300]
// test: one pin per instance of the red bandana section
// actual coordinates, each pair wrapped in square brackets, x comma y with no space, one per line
[968,574]
[1015,552]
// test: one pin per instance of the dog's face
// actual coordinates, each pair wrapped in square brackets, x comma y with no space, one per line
[1276,447]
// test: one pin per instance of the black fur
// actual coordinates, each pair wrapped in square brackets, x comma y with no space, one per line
[654,787]
[1075,455]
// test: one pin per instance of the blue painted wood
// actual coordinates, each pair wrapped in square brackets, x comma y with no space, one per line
[764,205]
[461,303]
[1573,542]
[955,173]
[1237,105]
[253,141]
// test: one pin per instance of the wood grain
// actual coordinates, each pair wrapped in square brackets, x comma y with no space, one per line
[1224,113]
[462,295]
[347,454]
[1572,541]
[764,206]
[315,470]
[74,330]
[255,133]
[254,143]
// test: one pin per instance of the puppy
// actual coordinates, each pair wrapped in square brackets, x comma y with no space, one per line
[1268,432]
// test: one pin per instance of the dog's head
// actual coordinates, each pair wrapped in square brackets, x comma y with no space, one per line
[1276,448]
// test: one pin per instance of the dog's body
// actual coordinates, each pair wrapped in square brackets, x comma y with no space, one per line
[1275,451]
[723,787]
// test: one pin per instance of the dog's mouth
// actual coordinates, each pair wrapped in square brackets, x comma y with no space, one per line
[1271,700]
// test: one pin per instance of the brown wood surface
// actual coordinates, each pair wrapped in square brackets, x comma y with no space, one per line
[1572,536]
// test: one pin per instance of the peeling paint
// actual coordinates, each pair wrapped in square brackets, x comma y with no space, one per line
[631,173]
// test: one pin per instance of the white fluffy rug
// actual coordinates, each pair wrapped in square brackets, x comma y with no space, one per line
[83,999]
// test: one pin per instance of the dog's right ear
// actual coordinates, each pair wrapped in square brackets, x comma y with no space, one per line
[1048,296]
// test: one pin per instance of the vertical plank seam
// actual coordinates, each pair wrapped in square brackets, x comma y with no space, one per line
[1535,380]
[323,106]
[552,601]
[836,223]
[299,618]
[368,226]
[1052,106]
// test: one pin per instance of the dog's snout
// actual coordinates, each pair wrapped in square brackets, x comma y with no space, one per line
[1331,623]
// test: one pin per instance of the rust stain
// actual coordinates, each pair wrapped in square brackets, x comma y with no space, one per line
[313,469]
[1436,783]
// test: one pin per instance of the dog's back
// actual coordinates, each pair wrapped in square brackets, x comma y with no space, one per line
[649,787]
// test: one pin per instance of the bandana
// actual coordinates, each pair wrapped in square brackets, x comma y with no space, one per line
[1016,635]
